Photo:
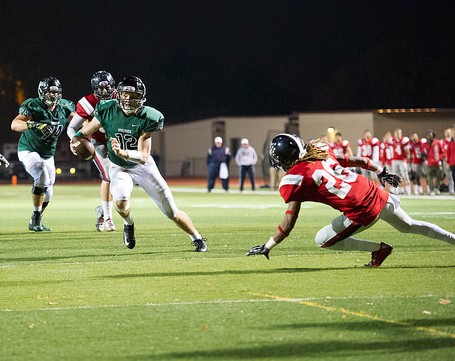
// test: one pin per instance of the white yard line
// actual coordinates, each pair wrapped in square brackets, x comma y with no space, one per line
[217,302]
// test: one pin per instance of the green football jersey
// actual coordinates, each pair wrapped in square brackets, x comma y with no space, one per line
[33,140]
[126,128]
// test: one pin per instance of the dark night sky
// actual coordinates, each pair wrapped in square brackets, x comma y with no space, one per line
[208,58]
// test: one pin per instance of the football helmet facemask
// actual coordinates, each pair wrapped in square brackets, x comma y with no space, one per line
[50,91]
[131,94]
[103,85]
[285,150]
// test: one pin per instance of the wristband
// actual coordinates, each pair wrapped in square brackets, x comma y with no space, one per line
[78,134]
[270,243]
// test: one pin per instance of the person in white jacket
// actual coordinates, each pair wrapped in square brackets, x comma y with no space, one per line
[246,158]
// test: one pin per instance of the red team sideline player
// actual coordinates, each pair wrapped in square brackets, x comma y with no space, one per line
[103,85]
[400,159]
[417,152]
[315,174]
[368,147]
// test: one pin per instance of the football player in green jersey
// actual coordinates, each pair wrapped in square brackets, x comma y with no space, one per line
[129,126]
[41,121]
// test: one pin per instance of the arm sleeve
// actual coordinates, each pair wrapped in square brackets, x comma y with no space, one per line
[74,125]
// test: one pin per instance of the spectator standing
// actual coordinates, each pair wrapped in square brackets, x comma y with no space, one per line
[218,158]
[435,155]
[246,158]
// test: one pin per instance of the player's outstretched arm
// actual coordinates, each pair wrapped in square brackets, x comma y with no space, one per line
[384,175]
[283,230]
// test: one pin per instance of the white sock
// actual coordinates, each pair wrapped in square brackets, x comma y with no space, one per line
[107,209]
[128,220]
[195,236]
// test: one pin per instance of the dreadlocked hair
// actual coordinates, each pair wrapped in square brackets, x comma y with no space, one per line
[315,150]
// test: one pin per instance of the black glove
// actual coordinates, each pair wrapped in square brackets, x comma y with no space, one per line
[259,250]
[4,161]
[45,129]
[386,177]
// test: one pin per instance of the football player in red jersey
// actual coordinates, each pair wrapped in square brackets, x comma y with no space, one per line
[417,152]
[341,146]
[368,147]
[315,174]
[448,173]
[103,85]
[435,155]
[451,153]
[400,159]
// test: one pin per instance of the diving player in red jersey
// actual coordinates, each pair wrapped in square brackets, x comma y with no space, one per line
[315,174]
[103,85]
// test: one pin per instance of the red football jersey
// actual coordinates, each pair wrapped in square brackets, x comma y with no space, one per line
[451,152]
[416,150]
[85,107]
[435,153]
[400,146]
[368,148]
[340,148]
[330,183]
[386,152]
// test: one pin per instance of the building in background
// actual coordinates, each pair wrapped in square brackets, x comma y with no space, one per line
[181,148]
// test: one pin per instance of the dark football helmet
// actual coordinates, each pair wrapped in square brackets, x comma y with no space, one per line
[103,85]
[285,151]
[50,91]
[131,94]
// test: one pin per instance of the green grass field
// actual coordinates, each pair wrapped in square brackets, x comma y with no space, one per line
[75,294]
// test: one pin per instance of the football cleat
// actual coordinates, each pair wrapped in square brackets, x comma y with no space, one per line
[46,229]
[35,222]
[200,244]
[36,225]
[128,236]
[377,257]
[99,219]
[109,226]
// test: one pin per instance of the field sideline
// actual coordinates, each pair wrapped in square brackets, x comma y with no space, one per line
[78,294]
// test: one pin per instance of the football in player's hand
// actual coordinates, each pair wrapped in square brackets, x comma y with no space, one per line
[83,147]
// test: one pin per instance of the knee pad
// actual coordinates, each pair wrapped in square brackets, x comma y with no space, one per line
[39,191]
